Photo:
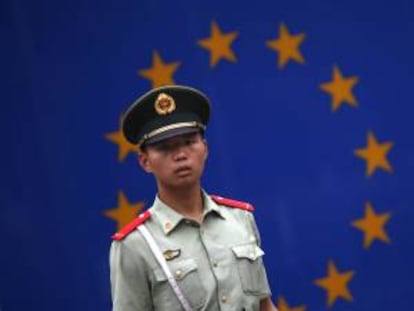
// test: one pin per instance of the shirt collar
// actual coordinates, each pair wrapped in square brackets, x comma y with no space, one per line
[169,218]
[166,215]
[211,206]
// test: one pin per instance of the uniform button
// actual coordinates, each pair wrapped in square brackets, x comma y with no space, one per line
[178,274]
[215,263]
[223,298]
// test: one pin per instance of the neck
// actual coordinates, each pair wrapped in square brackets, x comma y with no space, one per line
[185,201]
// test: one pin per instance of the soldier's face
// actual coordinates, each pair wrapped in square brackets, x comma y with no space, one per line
[177,161]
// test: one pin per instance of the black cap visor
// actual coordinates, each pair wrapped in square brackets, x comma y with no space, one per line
[172,133]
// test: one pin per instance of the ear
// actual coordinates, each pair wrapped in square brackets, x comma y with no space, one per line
[206,147]
[144,161]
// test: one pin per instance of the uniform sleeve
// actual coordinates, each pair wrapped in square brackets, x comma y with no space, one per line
[262,274]
[130,287]
[254,229]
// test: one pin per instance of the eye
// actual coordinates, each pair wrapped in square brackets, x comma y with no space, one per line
[162,147]
[190,141]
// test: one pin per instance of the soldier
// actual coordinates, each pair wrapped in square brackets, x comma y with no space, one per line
[190,250]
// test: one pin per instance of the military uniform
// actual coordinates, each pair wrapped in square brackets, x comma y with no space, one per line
[217,263]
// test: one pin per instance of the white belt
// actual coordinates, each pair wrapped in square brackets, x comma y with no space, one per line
[163,263]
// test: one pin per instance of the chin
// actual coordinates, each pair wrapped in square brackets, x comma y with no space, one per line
[185,182]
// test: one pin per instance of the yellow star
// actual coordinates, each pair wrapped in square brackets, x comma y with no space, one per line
[283,306]
[287,46]
[335,284]
[124,147]
[372,225]
[125,212]
[160,73]
[340,88]
[219,45]
[375,155]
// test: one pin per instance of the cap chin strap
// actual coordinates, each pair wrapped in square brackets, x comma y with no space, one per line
[163,263]
[170,127]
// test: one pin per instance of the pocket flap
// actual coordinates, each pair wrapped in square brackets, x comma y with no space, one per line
[178,269]
[249,251]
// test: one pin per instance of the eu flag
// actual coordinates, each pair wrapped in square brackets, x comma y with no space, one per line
[311,123]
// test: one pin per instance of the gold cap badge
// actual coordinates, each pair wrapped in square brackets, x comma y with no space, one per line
[164,104]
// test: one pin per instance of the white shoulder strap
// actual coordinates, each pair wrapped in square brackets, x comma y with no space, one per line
[163,263]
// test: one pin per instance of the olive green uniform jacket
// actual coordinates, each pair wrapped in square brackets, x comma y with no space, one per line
[217,264]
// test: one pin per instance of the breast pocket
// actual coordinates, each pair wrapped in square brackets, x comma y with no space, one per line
[250,267]
[188,279]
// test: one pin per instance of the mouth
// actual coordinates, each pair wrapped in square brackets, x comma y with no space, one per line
[183,171]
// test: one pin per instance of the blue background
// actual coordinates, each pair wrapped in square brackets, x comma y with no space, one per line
[69,69]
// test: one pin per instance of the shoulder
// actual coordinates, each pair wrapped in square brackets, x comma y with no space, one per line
[232,203]
[125,231]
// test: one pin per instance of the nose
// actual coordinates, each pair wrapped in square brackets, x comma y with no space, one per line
[180,153]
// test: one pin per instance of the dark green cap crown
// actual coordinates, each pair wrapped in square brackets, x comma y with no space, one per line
[165,112]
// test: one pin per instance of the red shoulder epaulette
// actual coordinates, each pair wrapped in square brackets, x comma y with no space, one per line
[232,203]
[121,234]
